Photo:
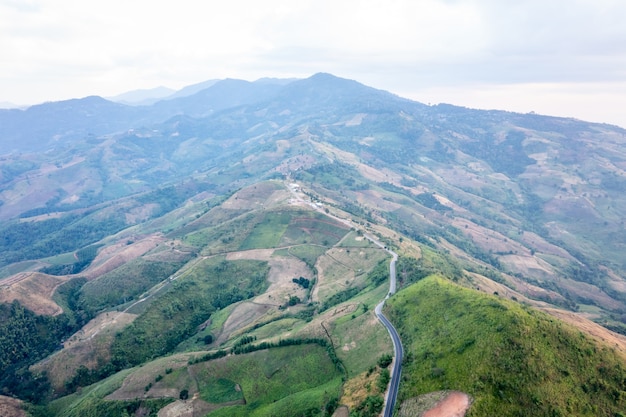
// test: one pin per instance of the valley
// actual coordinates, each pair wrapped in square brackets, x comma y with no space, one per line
[226,255]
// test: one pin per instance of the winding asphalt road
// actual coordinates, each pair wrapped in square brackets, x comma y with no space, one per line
[392,392]
[394,384]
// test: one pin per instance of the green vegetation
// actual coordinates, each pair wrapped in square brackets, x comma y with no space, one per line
[26,338]
[168,198]
[99,407]
[334,175]
[308,253]
[267,233]
[446,177]
[126,283]
[221,390]
[512,360]
[83,256]
[301,281]
[226,235]
[290,380]
[294,227]
[39,239]
[213,284]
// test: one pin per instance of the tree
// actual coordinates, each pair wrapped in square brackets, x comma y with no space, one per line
[184,394]
[385,360]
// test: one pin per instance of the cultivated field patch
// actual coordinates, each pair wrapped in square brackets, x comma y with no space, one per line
[34,291]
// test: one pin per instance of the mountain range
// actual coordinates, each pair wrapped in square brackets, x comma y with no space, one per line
[234,188]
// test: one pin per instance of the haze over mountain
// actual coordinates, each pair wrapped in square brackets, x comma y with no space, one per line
[239,212]
[143,97]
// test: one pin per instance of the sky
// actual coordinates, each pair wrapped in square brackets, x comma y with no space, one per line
[555,57]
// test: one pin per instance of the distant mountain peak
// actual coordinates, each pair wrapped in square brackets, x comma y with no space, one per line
[143,96]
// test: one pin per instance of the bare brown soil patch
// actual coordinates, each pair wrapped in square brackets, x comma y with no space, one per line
[599,333]
[615,281]
[375,198]
[516,289]
[10,407]
[437,404]
[141,213]
[189,408]
[342,411]
[281,286]
[109,322]
[488,239]
[295,163]
[591,292]
[243,315]
[528,265]
[89,347]
[541,245]
[455,404]
[134,384]
[282,271]
[367,171]
[120,253]
[358,389]
[259,195]
[34,291]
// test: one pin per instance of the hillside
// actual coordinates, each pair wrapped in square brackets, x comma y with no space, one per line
[511,359]
[138,239]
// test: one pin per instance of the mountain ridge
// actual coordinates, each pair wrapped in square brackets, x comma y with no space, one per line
[223,184]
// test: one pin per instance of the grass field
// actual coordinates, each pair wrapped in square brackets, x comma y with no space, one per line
[343,268]
[359,336]
[308,253]
[286,380]
[279,381]
[512,360]
[125,283]
[268,232]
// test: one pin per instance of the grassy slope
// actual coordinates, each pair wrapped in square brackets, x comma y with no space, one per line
[277,381]
[514,361]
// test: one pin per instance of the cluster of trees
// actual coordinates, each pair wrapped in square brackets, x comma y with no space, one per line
[332,175]
[175,315]
[84,257]
[169,198]
[247,348]
[507,156]
[303,282]
[26,338]
[33,240]
[340,297]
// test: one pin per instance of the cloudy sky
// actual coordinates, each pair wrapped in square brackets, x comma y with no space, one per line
[556,57]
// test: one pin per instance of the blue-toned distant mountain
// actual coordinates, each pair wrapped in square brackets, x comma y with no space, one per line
[143,97]
[139,208]
[504,187]
[49,125]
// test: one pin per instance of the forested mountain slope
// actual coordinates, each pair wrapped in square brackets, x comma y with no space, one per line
[142,244]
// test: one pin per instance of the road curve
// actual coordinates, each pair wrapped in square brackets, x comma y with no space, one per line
[394,384]
[392,392]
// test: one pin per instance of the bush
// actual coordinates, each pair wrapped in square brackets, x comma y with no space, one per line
[184,394]
[385,360]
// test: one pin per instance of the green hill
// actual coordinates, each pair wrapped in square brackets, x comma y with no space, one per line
[512,360]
